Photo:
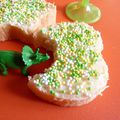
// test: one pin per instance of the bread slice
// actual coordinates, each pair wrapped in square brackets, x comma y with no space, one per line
[19,19]
[79,72]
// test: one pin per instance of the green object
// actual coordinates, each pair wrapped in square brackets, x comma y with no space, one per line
[16,60]
[83,11]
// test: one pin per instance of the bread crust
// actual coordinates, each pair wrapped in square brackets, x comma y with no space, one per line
[66,102]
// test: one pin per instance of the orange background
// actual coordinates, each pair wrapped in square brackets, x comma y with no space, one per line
[17,102]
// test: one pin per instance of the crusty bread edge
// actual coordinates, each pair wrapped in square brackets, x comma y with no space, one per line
[59,101]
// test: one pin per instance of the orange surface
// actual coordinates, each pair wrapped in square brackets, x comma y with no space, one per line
[17,102]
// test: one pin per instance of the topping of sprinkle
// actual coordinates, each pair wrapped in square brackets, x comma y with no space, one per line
[73,70]
[21,11]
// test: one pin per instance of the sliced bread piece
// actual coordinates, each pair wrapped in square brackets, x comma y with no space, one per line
[19,19]
[79,72]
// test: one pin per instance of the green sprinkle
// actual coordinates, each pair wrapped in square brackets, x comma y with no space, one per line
[89,88]
[65,76]
[87,32]
[52,92]
[57,84]
[77,92]
[38,84]
[93,73]
[62,91]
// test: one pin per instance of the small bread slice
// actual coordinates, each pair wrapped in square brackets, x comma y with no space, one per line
[19,19]
[79,72]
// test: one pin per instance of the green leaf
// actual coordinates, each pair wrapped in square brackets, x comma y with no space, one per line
[27,52]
